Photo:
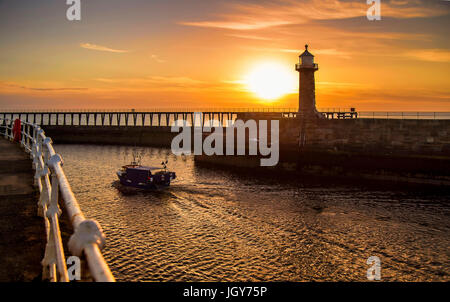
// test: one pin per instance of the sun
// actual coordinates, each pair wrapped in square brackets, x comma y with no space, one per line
[270,81]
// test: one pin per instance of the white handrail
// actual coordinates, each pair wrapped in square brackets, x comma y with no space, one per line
[50,180]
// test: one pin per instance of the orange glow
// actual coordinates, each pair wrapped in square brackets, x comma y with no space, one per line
[217,56]
[270,81]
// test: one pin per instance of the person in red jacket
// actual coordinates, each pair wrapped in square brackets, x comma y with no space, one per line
[17,131]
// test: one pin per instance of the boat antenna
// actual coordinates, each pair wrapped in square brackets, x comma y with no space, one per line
[136,159]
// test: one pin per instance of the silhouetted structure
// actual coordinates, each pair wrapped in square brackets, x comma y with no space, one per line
[307,94]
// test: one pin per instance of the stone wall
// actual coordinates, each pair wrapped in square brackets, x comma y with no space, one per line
[380,148]
[371,136]
[415,151]
[154,136]
[380,136]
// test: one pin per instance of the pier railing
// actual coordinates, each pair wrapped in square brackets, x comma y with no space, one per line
[404,115]
[166,118]
[88,238]
[152,110]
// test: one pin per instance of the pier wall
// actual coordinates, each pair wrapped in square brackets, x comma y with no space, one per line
[362,136]
[153,136]
[394,150]
[414,149]
[373,136]
[380,136]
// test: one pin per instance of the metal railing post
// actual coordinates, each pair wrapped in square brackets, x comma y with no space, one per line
[88,237]
[53,212]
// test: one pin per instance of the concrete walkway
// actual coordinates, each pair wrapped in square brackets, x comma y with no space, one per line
[22,232]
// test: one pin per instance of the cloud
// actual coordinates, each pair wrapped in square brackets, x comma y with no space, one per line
[160,80]
[166,84]
[430,55]
[387,35]
[249,25]
[15,85]
[176,81]
[101,48]
[157,59]
[334,52]
[251,37]
[155,83]
[326,52]
[289,12]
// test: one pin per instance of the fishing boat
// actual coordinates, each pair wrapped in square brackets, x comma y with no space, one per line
[138,176]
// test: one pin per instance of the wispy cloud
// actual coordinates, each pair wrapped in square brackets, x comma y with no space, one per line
[288,12]
[101,48]
[167,83]
[326,52]
[430,55]
[160,83]
[249,25]
[251,37]
[159,80]
[157,59]
[334,52]
[173,80]
[19,86]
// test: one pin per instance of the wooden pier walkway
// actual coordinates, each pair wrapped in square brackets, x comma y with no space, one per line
[22,232]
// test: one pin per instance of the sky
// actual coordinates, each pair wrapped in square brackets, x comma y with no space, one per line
[187,54]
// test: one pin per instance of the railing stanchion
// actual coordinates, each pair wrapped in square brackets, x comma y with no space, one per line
[89,236]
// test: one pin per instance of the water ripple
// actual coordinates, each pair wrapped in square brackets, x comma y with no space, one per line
[219,226]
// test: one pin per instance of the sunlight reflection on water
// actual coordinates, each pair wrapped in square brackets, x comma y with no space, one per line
[212,225]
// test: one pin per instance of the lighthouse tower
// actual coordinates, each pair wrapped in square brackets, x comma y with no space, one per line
[307,94]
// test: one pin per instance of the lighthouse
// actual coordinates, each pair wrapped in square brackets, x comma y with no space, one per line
[307,92]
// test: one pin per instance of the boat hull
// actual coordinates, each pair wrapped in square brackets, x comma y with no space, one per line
[158,182]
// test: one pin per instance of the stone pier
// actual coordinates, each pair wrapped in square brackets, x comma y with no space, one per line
[22,232]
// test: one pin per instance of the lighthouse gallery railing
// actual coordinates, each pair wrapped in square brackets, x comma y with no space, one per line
[50,180]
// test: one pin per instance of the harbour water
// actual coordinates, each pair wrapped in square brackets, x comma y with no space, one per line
[215,225]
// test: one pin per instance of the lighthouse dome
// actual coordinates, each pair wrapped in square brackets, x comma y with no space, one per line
[306,58]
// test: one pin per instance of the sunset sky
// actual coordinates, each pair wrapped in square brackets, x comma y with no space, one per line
[201,53]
